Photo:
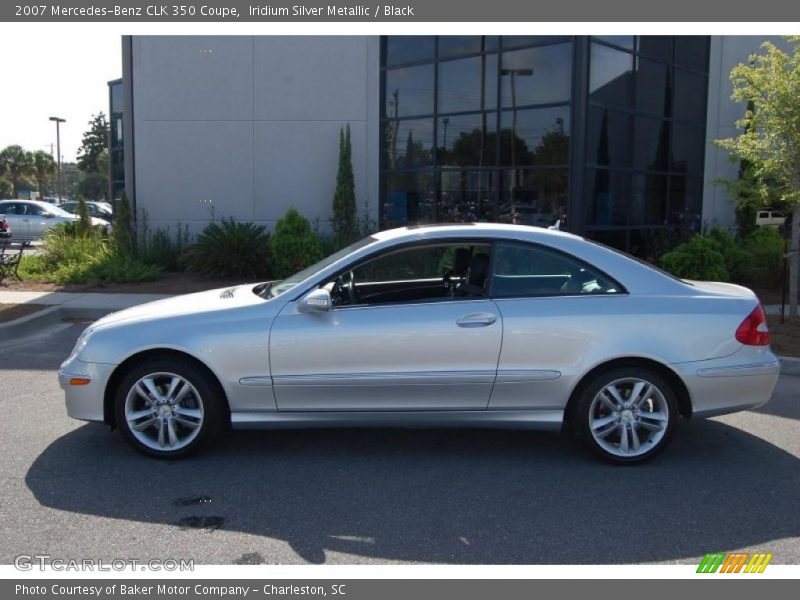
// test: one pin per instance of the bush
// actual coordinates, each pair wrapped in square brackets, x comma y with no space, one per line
[699,258]
[161,249]
[294,245]
[735,257]
[68,256]
[764,250]
[229,249]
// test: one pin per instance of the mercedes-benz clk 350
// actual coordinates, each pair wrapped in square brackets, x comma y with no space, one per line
[474,325]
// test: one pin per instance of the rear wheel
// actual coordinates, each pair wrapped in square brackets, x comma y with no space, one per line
[168,407]
[625,415]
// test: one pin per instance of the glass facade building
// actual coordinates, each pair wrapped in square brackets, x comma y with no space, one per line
[116,150]
[609,131]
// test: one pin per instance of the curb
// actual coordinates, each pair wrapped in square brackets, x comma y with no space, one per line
[790,365]
[49,316]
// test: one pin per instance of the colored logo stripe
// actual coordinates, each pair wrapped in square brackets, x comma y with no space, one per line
[734,562]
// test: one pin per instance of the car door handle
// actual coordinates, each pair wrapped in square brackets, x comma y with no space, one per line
[476,320]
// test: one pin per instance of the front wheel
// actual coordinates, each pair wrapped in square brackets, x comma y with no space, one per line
[625,415]
[168,407]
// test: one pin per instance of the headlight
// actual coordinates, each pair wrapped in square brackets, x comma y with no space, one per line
[80,344]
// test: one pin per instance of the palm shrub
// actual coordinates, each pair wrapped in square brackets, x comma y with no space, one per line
[764,250]
[699,258]
[294,244]
[229,249]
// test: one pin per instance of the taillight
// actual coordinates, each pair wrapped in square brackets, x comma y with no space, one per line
[753,330]
[3,225]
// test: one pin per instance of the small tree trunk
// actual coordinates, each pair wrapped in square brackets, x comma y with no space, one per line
[794,263]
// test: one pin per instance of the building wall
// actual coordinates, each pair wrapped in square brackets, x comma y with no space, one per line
[249,126]
[726,52]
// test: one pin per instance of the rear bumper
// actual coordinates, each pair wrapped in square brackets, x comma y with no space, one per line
[742,381]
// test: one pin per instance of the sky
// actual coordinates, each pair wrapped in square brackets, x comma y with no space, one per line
[64,76]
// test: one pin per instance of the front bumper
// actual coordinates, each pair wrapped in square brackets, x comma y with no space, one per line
[742,381]
[84,402]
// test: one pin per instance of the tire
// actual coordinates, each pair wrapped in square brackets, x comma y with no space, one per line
[168,407]
[598,416]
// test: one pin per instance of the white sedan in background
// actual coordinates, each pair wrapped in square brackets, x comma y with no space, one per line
[32,219]
[474,325]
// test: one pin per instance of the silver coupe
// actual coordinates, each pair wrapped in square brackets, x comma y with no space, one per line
[474,325]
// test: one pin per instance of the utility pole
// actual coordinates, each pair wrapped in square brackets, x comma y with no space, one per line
[58,121]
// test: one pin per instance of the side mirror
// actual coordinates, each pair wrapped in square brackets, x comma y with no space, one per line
[318,300]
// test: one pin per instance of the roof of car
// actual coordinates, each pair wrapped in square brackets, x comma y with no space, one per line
[470,229]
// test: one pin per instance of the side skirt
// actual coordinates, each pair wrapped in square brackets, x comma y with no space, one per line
[541,420]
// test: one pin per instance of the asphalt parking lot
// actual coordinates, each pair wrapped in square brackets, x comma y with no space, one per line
[75,490]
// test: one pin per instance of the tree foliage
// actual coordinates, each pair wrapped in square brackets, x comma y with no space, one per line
[43,166]
[94,145]
[769,86]
[15,165]
[344,198]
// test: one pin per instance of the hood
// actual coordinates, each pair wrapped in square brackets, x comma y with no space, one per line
[188,304]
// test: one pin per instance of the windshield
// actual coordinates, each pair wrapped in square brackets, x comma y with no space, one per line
[277,288]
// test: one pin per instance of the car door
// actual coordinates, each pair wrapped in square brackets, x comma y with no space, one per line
[17,221]
[38,224]
[556,311]
[408,345]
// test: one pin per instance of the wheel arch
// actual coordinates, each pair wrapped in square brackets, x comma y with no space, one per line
[678,386]
[131,361]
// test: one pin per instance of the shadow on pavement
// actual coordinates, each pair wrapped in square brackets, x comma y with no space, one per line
[442,496]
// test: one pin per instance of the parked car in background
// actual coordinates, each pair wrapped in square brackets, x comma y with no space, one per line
[100,210]
[32,219]
[5,228]
[471,325]
[768,217]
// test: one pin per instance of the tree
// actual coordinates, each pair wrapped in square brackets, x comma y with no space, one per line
[93,186]
[344,199]
[43,166]
[94,145]
[15,164]
[123,227]
[770,141]
[84,219]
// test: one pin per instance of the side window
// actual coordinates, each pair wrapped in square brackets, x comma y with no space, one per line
[9,209]
[33,210]
[435,272]
[531,270]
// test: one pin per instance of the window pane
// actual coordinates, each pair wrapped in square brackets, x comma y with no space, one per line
[648,199]
[656,46]
[685,203]
[607,195]
[468,84]
[536,75]
[692,51]
[609,137]
[533,197]
[467,140]
[688,149]
[459,45]
[515,41]
[624,41]
[690,96]
[530,270]
[428,262]
[409,143]
[535,137]
[653,88]
[467,195]
[610,77]
[651,144]
[401,49]
[408,197]
[614,239]
[409,91]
